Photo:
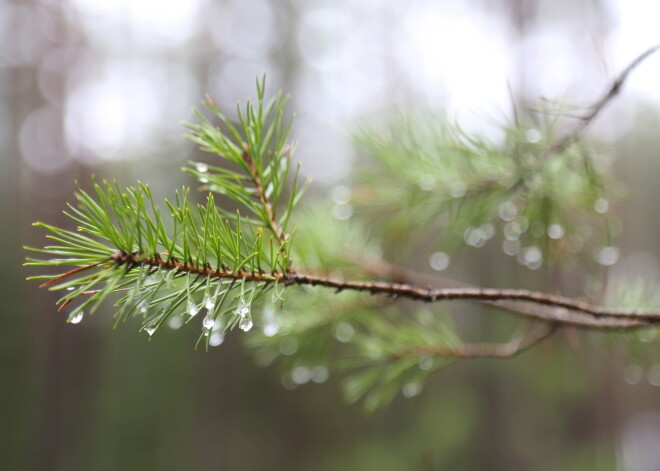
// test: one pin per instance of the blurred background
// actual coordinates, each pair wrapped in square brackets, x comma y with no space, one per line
[93,87]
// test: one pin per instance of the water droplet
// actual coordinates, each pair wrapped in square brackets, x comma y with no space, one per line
[193,308]
[507,211]
[320,374]
[202,167]
[607,255]
[531,257]
[533,136]
[301,375]
[342,211]
[555,231]
[242,309]
[209,302]
[143,307]
[77,318]
[288,346]
[474,237]
[271,329]
[512,230]
[216,339]
[344,332]
[439,261]
[523,223]
[653,375]
[341,194]
[601,205]
[288,383]
[632,374]
[70,288]
[174,322]
[208,322]
[426,182]
[203,180]
[412,389]
[150,329]
[511,247]
[488,231]
[245,324]
[457,189]
[647,335]
[425,363]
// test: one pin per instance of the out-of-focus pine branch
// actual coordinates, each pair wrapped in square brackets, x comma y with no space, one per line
[545,193]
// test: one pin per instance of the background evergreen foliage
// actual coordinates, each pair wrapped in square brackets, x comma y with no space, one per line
[166,264]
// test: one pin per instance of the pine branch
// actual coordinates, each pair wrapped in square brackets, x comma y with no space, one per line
[192,257]
[561,315]
[600,315]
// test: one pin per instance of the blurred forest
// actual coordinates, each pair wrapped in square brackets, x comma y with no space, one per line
[100,88]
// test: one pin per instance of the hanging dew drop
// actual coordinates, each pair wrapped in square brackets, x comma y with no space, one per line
[216,339]
[175,322]
[208,322]
[202,168]
[209,302]
[193,308]
[150,329]
[246,324]
[77,318]
[242,309]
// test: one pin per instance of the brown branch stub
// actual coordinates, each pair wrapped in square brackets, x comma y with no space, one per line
[509,349]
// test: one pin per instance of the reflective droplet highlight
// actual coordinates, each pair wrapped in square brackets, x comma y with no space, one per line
[245,324]
[601,205]
[216,339]
[193,308]
[208,322]
[507,211]
[320,374]
[175,322]
[344,332]
[633,374]
[555,231]
[209,302]
[607,256]
[439,261]
[301,375]
[653,375]
[242,309]
[412,389]
[77,319]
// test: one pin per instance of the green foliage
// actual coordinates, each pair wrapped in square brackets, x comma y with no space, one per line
[423,178]
[163,266]
[261,156]
[172,264]
[425,172]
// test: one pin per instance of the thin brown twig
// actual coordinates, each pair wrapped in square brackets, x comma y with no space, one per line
[380,268]
[595,109]
[570,308]
[509,349]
